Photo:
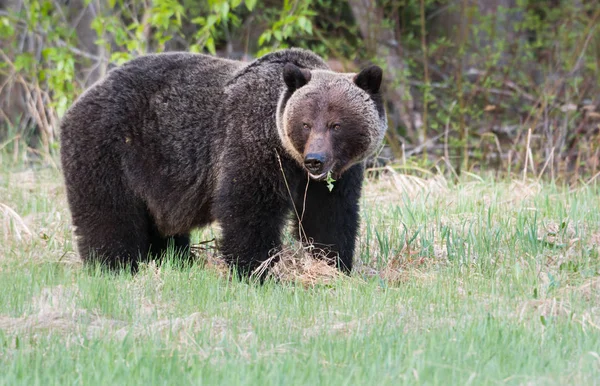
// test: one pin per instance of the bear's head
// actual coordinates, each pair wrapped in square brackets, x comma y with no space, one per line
[330,121]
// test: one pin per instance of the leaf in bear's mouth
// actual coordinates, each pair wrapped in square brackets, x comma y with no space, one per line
[330,181]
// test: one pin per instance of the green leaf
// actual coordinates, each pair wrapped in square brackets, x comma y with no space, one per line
[330,181]
[6,28]
[305,24]
[62,104]
[250,4]
[210,45]
[309,29]
[263,51]
[288,30]
[120,57]
[265,37]
[212,19]
[199,20]
[23,61]
[225,10]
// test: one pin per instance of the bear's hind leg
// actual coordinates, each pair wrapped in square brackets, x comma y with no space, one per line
[111,228]
[114,240]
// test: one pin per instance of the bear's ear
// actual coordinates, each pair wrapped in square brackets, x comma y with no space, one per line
[369,79]
[295,77]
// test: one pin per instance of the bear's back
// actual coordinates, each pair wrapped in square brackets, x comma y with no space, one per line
[180,68]
[131,91]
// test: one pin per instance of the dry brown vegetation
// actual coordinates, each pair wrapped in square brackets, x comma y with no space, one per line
[56,308]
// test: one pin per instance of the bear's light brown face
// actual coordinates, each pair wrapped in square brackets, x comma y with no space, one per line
[328,121]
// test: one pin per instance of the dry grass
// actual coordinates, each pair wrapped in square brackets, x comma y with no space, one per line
[301,266]
[309,266]
[408,264]
[292,265]
[55,310]
[551,307]
[413,289]
[392,186]
[589,290]
[13,225]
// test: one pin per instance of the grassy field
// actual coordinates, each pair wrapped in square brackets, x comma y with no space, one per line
[479,282]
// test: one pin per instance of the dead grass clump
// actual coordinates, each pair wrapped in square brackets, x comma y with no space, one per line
[329,324]
[546,309]
[522,190]
[208,257]
[53,321]
[306,265]
[406,265]
[551,307]
[180,327]
[558,235]
[415,186]
[589,290]
[393,185]
[55,310]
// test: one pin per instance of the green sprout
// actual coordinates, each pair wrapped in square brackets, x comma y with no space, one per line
[330,181]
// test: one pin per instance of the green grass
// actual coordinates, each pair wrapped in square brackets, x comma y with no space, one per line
[481,282]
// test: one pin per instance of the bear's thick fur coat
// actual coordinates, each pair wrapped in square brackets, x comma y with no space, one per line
[170,142]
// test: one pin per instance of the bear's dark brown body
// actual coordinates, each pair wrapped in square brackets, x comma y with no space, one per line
[170,142]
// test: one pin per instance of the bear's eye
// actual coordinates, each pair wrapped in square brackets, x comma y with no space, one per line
[336,127]
[306,126]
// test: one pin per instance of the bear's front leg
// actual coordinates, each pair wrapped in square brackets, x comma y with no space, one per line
[251,212]
[331,218]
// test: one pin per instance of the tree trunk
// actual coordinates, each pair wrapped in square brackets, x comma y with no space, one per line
[381,43]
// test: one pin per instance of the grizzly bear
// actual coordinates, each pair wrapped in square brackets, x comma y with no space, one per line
[170,142]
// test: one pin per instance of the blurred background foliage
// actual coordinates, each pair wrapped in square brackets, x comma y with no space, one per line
[503,85]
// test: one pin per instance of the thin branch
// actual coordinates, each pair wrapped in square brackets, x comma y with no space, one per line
[59,42]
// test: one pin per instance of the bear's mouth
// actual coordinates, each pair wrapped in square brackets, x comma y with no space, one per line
[322,176]
[318,177]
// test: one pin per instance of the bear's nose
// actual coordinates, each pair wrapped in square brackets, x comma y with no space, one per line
[314,162]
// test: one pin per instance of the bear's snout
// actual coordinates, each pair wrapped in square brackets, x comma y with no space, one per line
[314,163]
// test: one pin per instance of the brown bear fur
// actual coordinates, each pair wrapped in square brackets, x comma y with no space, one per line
[171,142]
